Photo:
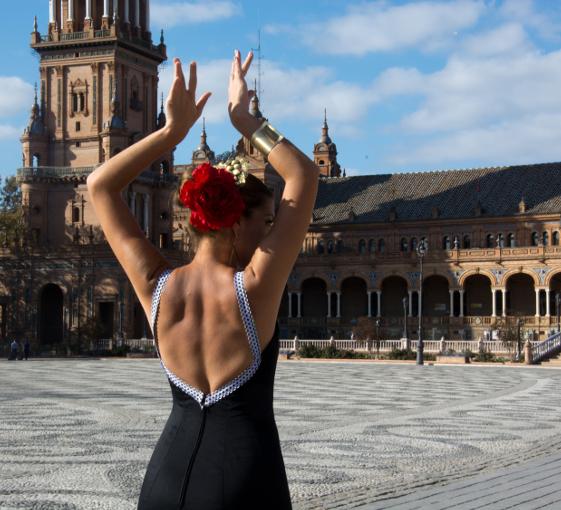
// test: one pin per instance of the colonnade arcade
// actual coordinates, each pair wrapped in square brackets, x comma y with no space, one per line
[476,294]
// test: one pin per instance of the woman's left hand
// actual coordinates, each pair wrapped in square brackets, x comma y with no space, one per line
[181,109]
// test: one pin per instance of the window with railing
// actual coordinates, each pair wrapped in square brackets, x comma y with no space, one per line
[446,243]
[466,242]
[362,247]
[534,239]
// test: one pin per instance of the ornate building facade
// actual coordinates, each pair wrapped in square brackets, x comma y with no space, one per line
[97,95]
[493,234]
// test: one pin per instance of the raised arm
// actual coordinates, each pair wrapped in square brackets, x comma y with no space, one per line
[276,254]
[140,259]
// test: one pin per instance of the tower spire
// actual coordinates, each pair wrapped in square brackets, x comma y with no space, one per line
[325,129]
[254,104]
[162,117]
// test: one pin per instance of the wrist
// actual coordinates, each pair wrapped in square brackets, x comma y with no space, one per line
[173,136]
[247,125]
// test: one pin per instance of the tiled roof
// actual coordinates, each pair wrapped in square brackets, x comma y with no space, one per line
[455,193]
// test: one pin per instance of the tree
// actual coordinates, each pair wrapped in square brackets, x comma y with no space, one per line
[10,195]
[12,220]
[365,331]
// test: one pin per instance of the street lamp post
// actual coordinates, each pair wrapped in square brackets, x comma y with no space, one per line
[421,252]
[378,337]
[558,308]
[405,302]
[519,347]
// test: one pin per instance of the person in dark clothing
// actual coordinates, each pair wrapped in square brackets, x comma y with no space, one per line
[14,347]
[26,349]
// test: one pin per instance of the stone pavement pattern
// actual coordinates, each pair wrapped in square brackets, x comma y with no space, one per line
[77,434]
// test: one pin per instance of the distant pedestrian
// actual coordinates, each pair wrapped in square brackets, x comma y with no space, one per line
[14,350]
[26,349]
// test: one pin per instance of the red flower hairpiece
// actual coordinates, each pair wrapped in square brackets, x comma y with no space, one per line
[213,197]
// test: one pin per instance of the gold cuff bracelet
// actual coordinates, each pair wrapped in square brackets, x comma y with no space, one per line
[265,138]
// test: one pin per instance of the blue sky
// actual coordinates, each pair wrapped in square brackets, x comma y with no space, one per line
[408,85]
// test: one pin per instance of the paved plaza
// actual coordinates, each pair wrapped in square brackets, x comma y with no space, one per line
[77,434]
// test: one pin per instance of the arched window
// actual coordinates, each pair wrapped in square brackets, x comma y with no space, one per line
[404,245]
[545,238]
[320,248]
[339,246]
[362,246]
[500,240]
[372,246]
[330,246]
[36,160]
[75,214]
[466,242]
[381,246]
[510,241]
[445,243]
[555,238]
[425,242]
[534,239]
[413,243]
[489,241]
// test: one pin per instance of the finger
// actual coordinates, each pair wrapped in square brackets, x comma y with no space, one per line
[237,63]
[202,102]
[179,71]
[247,62]
[193,77]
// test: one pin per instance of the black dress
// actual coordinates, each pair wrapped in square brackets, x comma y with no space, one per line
[221,450]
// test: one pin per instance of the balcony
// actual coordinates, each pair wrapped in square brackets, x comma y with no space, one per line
[80,173]
[455,257]
[55,39]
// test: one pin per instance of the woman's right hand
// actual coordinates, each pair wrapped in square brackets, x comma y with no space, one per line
[239,97]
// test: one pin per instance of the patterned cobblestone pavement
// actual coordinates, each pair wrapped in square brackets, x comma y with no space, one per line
[77,434]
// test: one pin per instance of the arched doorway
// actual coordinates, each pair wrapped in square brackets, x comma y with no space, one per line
[520,295]
[478,298]
[394,289]
[314,308]
[436,296]
[50,315]
[354,298]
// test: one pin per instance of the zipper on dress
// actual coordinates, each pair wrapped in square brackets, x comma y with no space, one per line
[193,455]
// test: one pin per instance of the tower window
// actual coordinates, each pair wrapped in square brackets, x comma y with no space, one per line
[78,126]
[321,162]
[78,144]
[75,214]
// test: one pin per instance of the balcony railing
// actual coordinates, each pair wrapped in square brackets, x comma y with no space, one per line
[65,172]
[95,34]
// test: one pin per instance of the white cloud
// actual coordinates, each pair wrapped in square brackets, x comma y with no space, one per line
[507,38]
[188,13]
[524,11]
[380,26]
[288,93]
[471,92]
[15,95]
[10,132]
[502,108]
[528,139]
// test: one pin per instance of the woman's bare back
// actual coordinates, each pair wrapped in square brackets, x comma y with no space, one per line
[200,331]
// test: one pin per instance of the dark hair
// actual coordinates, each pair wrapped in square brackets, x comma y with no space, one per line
[254,193]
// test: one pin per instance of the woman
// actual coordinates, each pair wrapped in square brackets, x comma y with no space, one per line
[217,331]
